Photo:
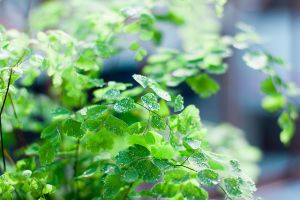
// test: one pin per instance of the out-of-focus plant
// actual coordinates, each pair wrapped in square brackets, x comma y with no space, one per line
[104,140]
[228,140]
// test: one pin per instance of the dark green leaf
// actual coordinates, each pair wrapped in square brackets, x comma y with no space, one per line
[131,155]
[147,170]
[130,175]
[112,185]
[115,125]
[158,122]
[72,128]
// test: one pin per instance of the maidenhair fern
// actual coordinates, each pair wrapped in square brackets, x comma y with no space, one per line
[114,140]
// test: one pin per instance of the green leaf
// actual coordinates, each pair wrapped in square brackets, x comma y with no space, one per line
[268,87]
[273,103]
[217,69]
[147,170]
[150,102]
[178,103]
[72,128]
[60,111]
[115,125]
[160,92]
[134,46]
[235,165]
[191,144]
[208,177]
[198,158]
[140,54]
[137,128]
[94,142]
[232,186]
[142,80]
[164,151]
[131,155]
[96,82]
[203,85]
[166,190]
[112,185]
[192,192]
[48,189]
[112,94]
[158,122]
[147,82]
[91,171]
[176,175]
[163,164]
[288,128]
[95,111]
[130,175]
[124,105]
[104,49]
[91,125]
[47,153]
[51,133]
[189,120]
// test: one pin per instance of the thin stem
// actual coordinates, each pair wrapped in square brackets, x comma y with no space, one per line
[186,167]
[37,180]
[75,167]
[148,123]
[2,109]
[159,116]
[227,196]
[13,106]
[169,137]
[12,103]
[127,191]
[186,159]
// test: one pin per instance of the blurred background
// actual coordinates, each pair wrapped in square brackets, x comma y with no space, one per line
[278,22]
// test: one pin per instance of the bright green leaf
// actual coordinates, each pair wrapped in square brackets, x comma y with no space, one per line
[124,105]
[203,85]
[150,102]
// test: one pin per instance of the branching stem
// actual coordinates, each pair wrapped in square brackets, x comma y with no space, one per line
[2,109]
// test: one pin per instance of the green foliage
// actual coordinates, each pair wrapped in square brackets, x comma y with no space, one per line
[124,105]
[150,101]
[105,140]
[208,177]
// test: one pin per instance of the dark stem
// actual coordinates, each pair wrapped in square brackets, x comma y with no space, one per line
[13,106]
[227,197]
[186,159]
[186,167]
[127,191]
[76,167]
[1,111]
